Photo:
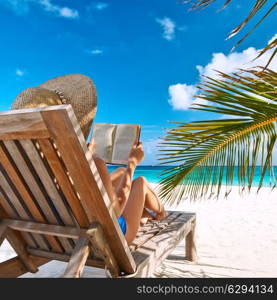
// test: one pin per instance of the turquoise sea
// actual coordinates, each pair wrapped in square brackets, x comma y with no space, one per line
[153,174]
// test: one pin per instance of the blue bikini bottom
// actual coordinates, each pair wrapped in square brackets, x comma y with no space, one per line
[122,223]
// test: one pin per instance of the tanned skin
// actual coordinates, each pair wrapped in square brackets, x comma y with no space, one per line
[129,197]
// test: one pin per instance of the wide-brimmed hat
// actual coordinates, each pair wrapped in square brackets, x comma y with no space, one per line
[75,89]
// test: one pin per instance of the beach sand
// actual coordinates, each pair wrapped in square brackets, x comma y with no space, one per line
[236,237]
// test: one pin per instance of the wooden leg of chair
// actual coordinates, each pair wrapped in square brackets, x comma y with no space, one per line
[78,258]
[102,248]
[18,245]
[191,253]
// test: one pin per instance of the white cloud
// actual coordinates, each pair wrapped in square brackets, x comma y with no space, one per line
[19,72]
[234,61]
[97,6]
[101,5]
[182,96]
[94,52]
[68,13]
[64,12]
[168,28]
[21,7]
[47,5]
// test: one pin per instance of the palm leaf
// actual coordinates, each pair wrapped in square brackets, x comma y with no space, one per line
[209,154]
[258,7]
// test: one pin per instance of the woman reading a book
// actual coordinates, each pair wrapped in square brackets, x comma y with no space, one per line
[130,198]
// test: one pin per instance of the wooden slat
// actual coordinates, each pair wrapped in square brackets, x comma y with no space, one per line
[7,212]
[47,181]
[63,181]
[15,178]
[78,258]
[150,225]
[22,125]
[155,250]
[97,263]
[35,189]
[56,230]
[144,237]
[14,267]
[82,170]
[41,241]
[12,196]
[157,226]
[49,185]
[19,208]
[145,228]
[30,180]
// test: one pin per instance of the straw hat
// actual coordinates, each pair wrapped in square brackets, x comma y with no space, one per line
[75,89]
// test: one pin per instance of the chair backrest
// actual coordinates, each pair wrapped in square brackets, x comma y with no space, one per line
[47,175]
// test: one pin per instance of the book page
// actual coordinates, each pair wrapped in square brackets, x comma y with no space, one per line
[103,135]
[125,136]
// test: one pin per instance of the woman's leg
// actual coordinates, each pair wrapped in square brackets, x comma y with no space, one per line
[116,176]
[140,196]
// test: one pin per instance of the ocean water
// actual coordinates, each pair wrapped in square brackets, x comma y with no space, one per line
[154,174]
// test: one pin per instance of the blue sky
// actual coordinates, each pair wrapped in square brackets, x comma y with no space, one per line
[145,56]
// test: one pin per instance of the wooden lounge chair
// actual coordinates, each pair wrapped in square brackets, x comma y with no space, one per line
[53,205]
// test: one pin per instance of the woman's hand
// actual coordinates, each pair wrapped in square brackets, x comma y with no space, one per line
[136,154]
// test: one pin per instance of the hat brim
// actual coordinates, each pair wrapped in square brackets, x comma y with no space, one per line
[79,91]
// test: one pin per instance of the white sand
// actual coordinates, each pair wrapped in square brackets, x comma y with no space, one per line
[236,237]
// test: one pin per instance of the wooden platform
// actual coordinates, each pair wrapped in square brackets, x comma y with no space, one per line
[155,241]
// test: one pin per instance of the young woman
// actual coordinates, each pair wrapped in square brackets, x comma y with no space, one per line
[130,198]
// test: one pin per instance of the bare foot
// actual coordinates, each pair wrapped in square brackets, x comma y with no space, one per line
[143,221]
[161,215]
[146,217]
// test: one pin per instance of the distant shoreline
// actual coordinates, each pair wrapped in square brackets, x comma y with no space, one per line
[154,174]
[115,166]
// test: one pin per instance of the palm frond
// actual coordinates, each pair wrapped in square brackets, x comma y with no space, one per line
[211,153]
[259,6]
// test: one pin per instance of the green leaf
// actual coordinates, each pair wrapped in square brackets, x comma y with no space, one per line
[257,9]
[209,154]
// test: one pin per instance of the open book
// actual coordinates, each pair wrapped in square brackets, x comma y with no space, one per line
[113,142]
